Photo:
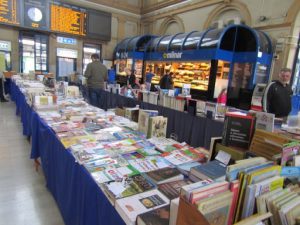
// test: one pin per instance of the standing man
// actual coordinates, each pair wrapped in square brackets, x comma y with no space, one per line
[96,75]
[2,98]
[149,75]
[277,95]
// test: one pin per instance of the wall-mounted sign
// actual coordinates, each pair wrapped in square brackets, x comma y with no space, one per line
[5,46]
[67,53]
[172,55]
[65,40]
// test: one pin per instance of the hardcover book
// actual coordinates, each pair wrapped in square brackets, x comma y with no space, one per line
[164,175]
[238,130]
[158,216]
[129,208]
[127,186]
[172,189]
[158,126]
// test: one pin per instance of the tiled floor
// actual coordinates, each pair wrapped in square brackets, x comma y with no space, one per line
[24,198]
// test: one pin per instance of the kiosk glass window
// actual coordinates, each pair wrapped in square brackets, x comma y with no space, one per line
[163,44]
[211,38]
[88,50]
[192,41]
[177,42]
[194,73]
[222,77]
[241,75]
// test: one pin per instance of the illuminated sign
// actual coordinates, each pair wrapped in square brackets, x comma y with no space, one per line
[5,46]
[68,41]
[67,20]
[172,55]
[9,12]
[67,53]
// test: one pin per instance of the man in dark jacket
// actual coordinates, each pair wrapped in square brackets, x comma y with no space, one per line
[277,95]
[166,82]
[96,75]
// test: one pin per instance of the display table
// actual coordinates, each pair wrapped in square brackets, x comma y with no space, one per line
[77,195]
[196,131]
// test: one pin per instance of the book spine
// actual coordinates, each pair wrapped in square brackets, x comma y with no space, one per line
[234,188]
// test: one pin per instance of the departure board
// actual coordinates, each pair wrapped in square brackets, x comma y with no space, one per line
[67,19]
[9,12]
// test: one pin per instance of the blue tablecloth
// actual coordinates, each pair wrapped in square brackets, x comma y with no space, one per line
[80,200]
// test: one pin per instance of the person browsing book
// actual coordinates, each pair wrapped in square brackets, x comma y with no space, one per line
[96,75]
[166,82]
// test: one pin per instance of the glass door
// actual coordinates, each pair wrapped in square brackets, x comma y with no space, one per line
[34,52]
[88,50]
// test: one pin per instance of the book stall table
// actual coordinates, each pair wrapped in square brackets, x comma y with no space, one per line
[196,131]
[77,195]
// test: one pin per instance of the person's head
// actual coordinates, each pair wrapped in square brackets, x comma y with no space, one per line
[171,74]
[285,75]
[95,57]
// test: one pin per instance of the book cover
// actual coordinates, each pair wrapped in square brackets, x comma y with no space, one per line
[186,190]
[164,175]
[127,186]
[129,208]
[172,189]
[212,170]
[185,168]
[216,208]
[158,126]
[158,216]
[143,120]
[288,152]
[238,130]
[176,157]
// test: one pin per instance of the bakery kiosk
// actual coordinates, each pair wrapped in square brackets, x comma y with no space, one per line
[129,53]
[235,58]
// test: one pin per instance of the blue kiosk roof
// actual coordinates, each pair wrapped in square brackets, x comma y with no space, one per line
[238,38]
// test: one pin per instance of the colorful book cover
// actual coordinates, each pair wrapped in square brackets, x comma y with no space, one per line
[158,216]
[216,208]
[158,126]
[288,152]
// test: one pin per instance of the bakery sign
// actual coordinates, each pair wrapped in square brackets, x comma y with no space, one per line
[5,46]
[172,55]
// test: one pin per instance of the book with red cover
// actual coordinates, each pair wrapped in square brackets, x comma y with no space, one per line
[234,188]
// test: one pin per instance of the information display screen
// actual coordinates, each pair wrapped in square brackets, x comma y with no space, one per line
[56,17]
[9,12]
[67,19]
